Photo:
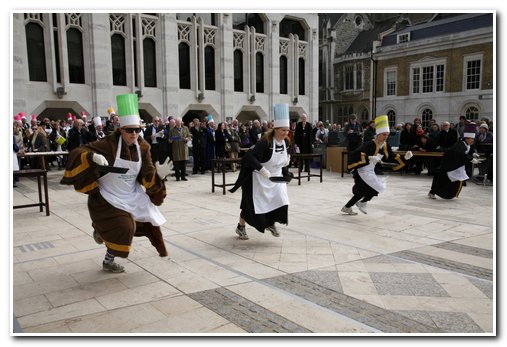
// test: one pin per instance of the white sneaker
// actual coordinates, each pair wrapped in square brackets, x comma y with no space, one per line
[112,267]
[431,196]
[273,230]
[361,206]
[240,230]
[348,210]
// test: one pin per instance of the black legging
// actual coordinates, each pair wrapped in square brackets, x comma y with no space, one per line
[361,191]
[356,198]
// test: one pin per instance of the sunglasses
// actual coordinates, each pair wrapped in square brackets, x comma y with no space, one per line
[132,130]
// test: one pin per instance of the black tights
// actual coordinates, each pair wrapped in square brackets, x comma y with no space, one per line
[356,198]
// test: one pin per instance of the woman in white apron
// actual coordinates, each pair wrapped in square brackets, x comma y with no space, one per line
[363,160]
[121,205]
[264,202]
[447,183]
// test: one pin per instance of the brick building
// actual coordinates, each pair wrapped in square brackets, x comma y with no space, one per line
[406,65]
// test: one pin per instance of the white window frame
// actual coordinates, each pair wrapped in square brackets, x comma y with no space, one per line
[402,38]
[421,65]
[386,72]
[466,59]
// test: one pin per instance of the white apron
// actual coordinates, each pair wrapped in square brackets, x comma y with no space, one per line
[268,196]
[125,193]
[458,175]
[367,173]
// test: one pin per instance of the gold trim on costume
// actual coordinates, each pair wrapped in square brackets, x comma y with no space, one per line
[80,168]
[148,184]
[116,247]
[459,189]
[362,161]
[88,188]
[398,159]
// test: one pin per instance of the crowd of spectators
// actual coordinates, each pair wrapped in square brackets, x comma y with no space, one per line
[204,139]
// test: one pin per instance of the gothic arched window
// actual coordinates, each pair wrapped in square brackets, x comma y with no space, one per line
[75,56]
[118,60]
[35,52]
[184,63]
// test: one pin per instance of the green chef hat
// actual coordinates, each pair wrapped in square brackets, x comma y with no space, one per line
[128,109]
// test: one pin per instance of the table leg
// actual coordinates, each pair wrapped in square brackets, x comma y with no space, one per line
[212,176]
[321,168]
[40,194]
[310,161]
[46,193]
[223,177]
[299,170]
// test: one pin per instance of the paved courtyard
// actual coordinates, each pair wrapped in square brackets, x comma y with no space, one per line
[410,266]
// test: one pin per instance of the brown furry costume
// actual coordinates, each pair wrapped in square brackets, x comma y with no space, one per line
[115,226]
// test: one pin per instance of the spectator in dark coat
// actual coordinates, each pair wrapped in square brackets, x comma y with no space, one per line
[255,132]
[154,134]
[210,142]
[407,137]
[198,147]
[484,145]
[77,135]
[353,133]
[447,137]
[303,138]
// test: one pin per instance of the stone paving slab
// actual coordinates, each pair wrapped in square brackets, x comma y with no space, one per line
[411,266]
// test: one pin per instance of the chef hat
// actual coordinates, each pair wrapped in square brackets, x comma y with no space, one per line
[210,119]
[128,109]
[17,118]
[470,130]
[281,115]
[69,116]
[34,117]
[111,111]
[97,121]
[83,114]
[382,125]
[23,115]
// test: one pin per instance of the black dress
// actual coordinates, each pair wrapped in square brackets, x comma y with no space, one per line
[453,158]
[253,159]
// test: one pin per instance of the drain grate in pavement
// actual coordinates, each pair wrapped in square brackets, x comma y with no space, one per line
[467,269]
[35,246]
[245,313]
[360,311]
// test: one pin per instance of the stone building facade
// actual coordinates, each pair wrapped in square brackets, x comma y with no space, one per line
[229,65]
